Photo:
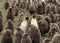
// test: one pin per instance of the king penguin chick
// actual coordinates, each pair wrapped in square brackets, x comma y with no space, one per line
[24,23]
[34,21]
[6,4]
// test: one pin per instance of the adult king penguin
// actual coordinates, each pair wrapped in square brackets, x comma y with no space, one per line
[24,24]
[34,21]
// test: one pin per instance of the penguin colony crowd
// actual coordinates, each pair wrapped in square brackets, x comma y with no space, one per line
[44,20]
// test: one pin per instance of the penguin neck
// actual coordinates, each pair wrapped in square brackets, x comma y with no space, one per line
[25,20]
[33,18]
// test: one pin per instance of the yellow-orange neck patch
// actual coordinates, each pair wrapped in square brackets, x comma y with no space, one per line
[33,18]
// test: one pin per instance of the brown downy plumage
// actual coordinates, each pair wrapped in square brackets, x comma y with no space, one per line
[7,36]
[18,35]
[26,38]
[46,40]
[10,26]
[10,14]
[53,28]
[1,24]
[43,26]
[6,5]
[34,33]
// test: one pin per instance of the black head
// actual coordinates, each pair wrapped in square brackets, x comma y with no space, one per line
[27,18]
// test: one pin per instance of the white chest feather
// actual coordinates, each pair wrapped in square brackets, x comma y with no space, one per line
[43,0]
[34,22]
[23,26]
